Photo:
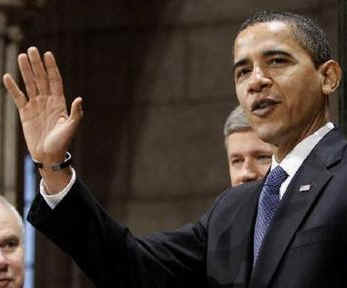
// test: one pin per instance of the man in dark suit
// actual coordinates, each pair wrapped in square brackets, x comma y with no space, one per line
[288,231]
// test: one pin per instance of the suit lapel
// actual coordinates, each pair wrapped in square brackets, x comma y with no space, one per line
[241,237]
[295,206]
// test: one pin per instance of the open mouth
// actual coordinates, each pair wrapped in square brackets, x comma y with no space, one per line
[4,282]
[263,106]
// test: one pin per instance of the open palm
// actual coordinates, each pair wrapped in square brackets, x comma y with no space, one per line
[47,127]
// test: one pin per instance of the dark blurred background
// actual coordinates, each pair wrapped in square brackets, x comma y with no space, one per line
[156,79]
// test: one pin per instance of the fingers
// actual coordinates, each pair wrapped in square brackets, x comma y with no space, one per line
[12,88]
[40,73]
[27,75]
[54,77]
[40,78]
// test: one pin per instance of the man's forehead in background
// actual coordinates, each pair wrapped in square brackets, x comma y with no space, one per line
[10,220]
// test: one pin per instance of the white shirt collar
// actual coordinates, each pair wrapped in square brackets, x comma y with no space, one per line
[293,160]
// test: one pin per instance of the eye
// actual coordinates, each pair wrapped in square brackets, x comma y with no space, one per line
[264,158]
[236,162]
[278,61]
[9,245]
[242,72]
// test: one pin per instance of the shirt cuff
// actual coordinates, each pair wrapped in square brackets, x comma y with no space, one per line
[53,200]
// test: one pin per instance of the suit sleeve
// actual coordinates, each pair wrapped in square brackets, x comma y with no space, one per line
[110,255]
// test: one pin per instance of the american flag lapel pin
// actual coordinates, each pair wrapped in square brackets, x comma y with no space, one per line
[305,188]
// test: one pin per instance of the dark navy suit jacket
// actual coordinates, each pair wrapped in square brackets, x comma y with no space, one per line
[306,245]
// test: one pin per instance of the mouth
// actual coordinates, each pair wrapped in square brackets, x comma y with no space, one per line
[263,106]
[4,282]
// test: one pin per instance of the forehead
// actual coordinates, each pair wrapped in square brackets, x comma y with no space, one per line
[246,142]
[265,36]
[9,224]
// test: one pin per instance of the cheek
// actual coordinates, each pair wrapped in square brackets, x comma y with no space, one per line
[240,93]
[300,86]
[232,170]
[264,169]
[18,262]
[234,175]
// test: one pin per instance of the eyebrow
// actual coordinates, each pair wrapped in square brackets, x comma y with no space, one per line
[9,237]
[239,63]
[266,53]
[276,52]
[235,154]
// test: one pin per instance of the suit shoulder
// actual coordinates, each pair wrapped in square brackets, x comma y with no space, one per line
[236,195]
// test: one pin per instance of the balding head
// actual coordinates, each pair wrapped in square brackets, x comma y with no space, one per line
[11,246]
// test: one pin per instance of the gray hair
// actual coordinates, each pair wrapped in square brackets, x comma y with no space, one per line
[10,207]
[236,122]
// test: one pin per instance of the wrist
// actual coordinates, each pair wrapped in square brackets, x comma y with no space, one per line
[55,181]
[55,174]
[55,165]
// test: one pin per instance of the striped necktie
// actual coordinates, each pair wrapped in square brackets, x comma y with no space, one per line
[268,203]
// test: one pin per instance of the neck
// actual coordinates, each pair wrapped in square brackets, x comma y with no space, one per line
[282,150]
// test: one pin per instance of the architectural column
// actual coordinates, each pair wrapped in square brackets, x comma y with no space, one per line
[10,37]
[10,131]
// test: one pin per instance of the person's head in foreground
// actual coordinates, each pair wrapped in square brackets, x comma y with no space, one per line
[284,74]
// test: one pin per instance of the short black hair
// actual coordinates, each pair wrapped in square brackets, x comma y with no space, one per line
[306,31]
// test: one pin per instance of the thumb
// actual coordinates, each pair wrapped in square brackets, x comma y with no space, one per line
[72,122]
[76,111]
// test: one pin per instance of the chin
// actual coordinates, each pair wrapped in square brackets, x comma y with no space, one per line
[268,134]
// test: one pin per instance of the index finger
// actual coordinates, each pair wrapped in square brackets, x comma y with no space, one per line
[54,77]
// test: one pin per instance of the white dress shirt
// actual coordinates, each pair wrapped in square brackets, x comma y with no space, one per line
[291,164]
[54,199]
[293,160]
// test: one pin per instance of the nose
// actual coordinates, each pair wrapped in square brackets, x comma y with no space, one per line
[249,172]
[259,80]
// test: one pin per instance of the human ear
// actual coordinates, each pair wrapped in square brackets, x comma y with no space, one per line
[330,76]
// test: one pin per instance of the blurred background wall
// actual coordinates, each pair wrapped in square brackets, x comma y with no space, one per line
[156,79]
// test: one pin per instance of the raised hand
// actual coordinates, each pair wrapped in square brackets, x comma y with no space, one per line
[47,127]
